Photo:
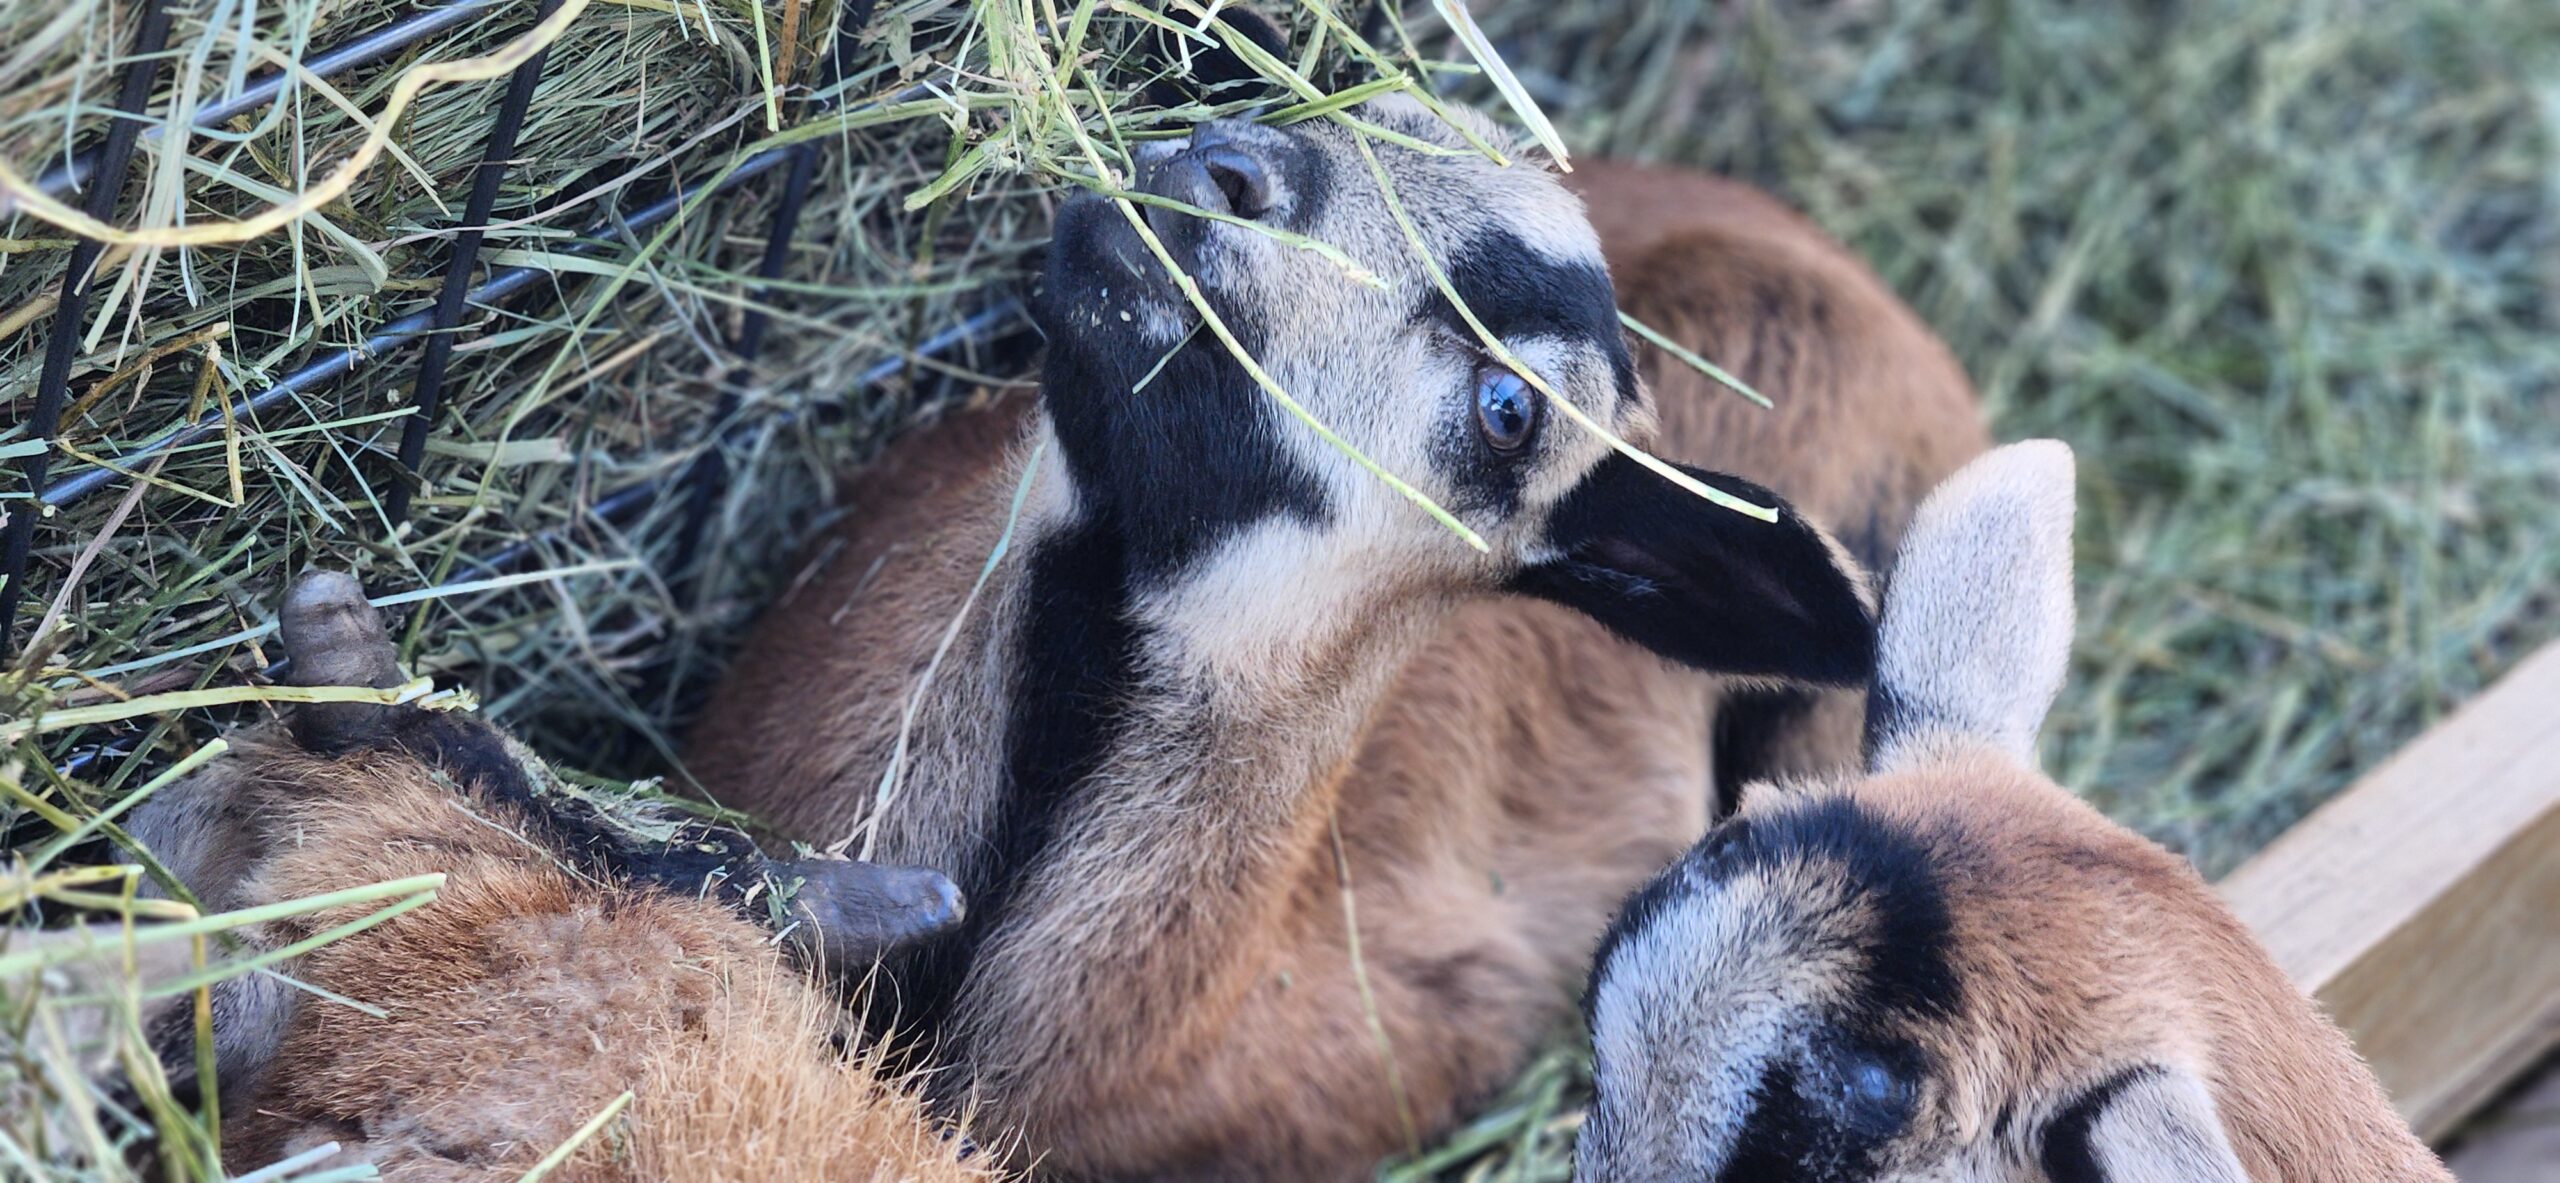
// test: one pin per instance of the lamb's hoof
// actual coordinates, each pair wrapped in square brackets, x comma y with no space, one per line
[857,912]
[334,638]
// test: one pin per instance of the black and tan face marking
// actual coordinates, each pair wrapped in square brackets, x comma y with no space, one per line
[1193,493]
[1166,434]
[1755,1010]
[1205,547]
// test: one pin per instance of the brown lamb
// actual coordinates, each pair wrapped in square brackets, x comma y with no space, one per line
[1949,968]
[1331,707]
[544,981]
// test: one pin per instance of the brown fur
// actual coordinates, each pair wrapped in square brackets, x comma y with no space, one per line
[1189,1006]
[1948,968]
[524,1000]
[2046,892]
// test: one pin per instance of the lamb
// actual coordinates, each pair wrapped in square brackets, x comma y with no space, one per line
[1950,968]
[563,962]
[1227,688]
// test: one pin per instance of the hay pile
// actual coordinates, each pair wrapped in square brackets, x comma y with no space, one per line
[942,132]
[2282,269]
[551,404]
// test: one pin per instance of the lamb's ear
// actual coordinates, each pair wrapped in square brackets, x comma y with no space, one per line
[1704,585]
[1976,634]
[2148,1125]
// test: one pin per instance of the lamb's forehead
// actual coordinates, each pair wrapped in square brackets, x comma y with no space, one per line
[1460,200]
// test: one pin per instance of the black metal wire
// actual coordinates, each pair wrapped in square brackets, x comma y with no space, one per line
[53,382]
[987,325]
[262,90]
[339,362]
[500,285]
[710,470]
[429,392]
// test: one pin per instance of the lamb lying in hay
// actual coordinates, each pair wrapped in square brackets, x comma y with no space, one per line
[573,956]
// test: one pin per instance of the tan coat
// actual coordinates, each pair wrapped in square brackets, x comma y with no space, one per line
[1500,773]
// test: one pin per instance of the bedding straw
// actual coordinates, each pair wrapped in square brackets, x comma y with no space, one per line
[2280,269]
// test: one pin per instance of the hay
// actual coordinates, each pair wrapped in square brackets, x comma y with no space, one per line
[2281,269]
[941,146]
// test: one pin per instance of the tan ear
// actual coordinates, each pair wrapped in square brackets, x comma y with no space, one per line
[1976,634]
[2150,1125]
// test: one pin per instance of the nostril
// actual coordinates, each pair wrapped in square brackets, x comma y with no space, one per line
[1239,179]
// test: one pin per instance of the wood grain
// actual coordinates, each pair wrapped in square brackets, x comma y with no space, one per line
[2422,905]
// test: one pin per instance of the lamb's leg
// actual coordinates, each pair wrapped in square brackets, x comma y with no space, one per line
[848,913]
[333,637]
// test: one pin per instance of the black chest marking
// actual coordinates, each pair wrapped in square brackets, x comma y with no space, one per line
[1078,665]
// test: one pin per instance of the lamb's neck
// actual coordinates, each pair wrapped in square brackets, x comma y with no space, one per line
[1166,738]
[1220,698]
[1164,806]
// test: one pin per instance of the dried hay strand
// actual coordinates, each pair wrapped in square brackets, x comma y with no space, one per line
[2282,270]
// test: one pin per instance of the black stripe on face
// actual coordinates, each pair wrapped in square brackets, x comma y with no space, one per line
[1829,1104]
[1077,668]
[2068,1155]
[1906,973]
[1827,1115]
[1186,460]
[1519,292]
[1788,1137]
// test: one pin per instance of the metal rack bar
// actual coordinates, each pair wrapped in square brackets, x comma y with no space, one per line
[368,48]
[428,394]
[984,326]
[618,506]
[710,469]
[62,346]
[336,363]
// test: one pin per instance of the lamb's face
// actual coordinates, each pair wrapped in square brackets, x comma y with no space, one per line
[1241,525]
[1166,431]
[1773,1007]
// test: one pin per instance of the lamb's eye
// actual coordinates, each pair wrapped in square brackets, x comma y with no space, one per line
[1506,409]
[1871,1094]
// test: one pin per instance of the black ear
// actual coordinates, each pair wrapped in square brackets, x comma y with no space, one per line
[1703,585]
[1211,73]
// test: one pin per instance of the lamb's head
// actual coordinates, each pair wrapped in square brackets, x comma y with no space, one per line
[1944,968]
[1206,480]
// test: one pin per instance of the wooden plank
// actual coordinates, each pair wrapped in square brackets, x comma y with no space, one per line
[2422,906]
[2517,1138]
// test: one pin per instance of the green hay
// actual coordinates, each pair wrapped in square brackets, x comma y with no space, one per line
[2280,269]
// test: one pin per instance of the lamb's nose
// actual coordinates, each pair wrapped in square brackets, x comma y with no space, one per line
[1238,179]
[1220,169]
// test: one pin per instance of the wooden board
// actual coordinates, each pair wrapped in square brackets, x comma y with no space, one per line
[2422,905]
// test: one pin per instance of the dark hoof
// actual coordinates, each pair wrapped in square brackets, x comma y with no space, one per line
[334,638]
[854,913]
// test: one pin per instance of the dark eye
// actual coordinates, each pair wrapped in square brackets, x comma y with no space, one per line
[1506,409]
[1871,1094]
